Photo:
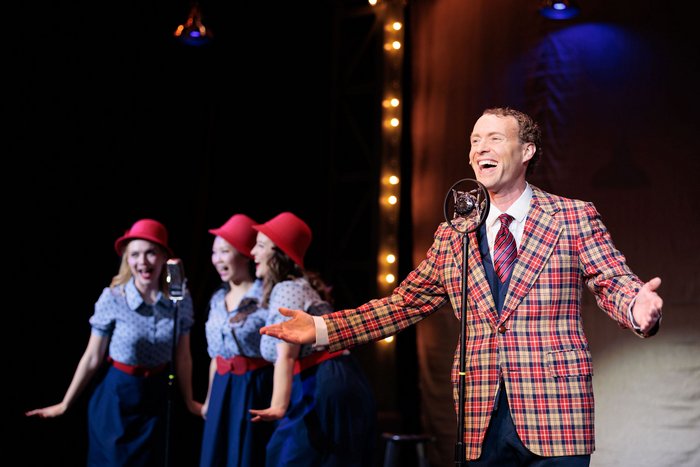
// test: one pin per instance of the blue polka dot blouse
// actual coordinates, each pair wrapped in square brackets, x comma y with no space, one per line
[294,294]
[141,334]
[220,331]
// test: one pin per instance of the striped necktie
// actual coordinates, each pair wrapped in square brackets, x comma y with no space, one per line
[505,250]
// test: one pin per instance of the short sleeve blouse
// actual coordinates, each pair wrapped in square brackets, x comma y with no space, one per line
[141,334]
[294,294]
[220,330]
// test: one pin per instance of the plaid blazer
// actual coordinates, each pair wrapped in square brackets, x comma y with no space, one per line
[542,355]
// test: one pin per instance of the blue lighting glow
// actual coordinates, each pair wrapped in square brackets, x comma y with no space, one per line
[559,9]
[194,33]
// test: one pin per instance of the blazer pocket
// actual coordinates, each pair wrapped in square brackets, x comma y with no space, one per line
[563,363]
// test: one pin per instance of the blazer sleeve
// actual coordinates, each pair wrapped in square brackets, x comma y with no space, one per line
[418,296]
[605,270]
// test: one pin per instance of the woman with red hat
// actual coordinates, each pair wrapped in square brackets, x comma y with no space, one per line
[239,378]
[133,324]
[324,404]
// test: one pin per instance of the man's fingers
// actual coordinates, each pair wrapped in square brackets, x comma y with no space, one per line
[659,304]
[288,312]
[653,284]
[655,302]
[272,330]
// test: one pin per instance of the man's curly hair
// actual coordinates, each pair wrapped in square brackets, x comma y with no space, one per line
[529,131]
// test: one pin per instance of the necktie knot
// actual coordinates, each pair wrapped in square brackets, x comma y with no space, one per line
[505,219]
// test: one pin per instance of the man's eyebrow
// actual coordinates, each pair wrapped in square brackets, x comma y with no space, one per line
[489,134]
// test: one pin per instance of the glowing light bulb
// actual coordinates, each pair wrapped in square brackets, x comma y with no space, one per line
[392,199]
[390,258]
[394,122]
[389,339]
[396,45]
[394,180]
[390,278]
[372,2]
[394,102]
[397,26]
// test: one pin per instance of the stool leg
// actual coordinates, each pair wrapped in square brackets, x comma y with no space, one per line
[422,457]
[391,454]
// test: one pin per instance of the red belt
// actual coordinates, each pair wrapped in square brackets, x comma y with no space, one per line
[138,370]
[239,365]
[313,359]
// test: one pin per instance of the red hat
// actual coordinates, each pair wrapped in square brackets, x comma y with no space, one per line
[289,233]
[238,232]
[145,229]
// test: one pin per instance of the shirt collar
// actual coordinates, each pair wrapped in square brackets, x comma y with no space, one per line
[133,297]
[518,209]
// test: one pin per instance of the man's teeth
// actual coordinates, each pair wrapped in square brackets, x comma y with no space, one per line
[487,164]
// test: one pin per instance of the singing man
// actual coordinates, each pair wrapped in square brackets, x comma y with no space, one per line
[528,382]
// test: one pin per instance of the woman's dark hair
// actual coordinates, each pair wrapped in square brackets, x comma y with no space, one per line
[281,268]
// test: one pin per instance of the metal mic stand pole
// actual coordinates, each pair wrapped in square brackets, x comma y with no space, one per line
[460,447]
[171,378]
[466,205]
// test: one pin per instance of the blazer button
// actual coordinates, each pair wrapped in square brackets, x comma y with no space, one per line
[502,329]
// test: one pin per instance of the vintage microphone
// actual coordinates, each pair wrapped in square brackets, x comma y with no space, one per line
[176,292]
[474,203]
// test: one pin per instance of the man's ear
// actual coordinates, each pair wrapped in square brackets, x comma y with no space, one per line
[529,152]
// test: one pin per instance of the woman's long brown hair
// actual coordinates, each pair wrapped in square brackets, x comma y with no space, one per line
[282,268]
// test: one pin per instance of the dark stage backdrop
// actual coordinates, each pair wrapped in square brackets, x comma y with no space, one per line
[615,93]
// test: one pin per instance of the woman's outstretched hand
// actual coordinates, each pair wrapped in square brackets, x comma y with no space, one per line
[267,415]
[298,330]
[48,412]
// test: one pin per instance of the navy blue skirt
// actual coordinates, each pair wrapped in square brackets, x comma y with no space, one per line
[230,438]
[127,418]
[332,419]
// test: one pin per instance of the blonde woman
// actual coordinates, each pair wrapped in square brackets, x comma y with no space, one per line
[133,326]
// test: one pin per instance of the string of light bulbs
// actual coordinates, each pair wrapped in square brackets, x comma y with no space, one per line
[390,167]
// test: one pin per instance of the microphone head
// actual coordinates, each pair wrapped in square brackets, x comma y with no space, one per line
[465,203]
[473,204]
[176,279]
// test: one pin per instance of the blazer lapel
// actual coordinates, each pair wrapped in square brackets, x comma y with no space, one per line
[477,283]
[540,237]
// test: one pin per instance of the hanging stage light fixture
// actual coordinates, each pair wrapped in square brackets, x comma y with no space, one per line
[193,31]
[559,9]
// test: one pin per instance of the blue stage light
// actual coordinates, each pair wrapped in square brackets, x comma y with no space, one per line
[559,9]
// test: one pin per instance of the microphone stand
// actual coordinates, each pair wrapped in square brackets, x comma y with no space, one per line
[467,204]
[171,378]
[176,283]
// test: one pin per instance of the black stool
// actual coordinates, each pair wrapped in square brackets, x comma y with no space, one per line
[391,455]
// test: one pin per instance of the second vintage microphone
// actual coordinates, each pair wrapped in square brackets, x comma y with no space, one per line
[176,279]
